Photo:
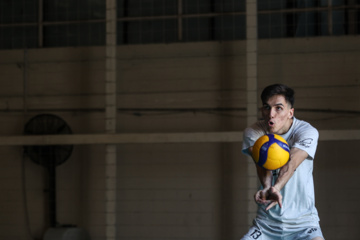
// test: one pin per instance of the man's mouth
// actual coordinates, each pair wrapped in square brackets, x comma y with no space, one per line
[271,123]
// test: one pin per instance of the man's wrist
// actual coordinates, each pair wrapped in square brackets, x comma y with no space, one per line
[277,188]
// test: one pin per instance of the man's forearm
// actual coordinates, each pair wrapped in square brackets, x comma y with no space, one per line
[286,172]
[265,177]
[297,156]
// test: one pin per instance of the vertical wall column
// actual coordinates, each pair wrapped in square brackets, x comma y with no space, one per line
[40,23]
[180,12]
[110,119]
[251,89]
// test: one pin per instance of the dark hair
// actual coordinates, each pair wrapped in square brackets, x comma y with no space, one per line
[278,89]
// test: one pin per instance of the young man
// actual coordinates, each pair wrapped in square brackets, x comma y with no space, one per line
[286,201]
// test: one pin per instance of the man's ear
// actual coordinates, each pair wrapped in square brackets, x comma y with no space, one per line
[291,113]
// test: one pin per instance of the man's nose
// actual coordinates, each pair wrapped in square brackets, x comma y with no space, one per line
[272,113]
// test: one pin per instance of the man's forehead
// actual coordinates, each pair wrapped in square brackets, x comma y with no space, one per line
[276,104]
[276,100]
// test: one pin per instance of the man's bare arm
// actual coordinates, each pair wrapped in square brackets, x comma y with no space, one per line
[297,156]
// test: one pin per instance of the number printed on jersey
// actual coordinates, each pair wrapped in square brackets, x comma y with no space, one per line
[256,234]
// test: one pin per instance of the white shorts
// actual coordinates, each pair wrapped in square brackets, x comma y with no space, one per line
[261,231]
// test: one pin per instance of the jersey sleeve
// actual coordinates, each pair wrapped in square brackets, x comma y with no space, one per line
[306,139]
[251,134]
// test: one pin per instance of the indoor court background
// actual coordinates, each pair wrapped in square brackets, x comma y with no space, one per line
[157,94]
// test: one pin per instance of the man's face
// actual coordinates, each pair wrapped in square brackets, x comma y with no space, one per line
[277,114]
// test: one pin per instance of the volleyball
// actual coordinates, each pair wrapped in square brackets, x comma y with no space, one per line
[271,151]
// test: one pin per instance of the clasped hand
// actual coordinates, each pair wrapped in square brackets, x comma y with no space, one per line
[270,197]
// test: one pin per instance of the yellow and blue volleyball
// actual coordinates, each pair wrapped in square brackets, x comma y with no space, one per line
[271,151]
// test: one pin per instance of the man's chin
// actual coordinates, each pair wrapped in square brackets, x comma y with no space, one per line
[271,130]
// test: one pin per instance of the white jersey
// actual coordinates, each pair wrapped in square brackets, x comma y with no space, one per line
[298,194]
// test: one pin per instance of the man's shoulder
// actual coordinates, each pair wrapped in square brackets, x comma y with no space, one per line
[304,128]
[258,127]
[303,125]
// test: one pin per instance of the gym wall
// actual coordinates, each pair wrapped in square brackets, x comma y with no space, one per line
[173,190]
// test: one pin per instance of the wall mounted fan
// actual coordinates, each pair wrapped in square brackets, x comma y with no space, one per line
[49,156]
